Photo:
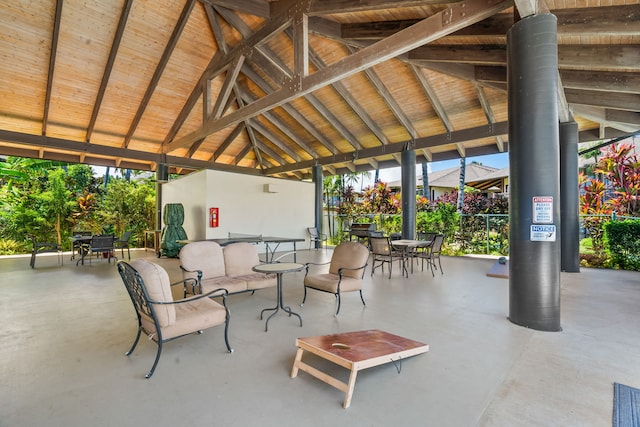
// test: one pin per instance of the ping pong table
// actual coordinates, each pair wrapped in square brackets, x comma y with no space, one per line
[271,242]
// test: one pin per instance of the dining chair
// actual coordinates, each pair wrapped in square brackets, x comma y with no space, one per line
[315,236]
[161,317]
[422,252]
[79,244]
[432,253]
[346,272]
[383,253]
[100,245]
[123,243]
[43,247]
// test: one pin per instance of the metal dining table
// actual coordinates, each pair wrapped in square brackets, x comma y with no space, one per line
[407,245]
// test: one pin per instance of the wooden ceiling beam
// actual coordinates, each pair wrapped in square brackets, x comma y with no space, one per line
[344,93]
[227,141]
[268,61]
[396,148]
[461,54]
[273,138]
[433,98]
[617,101]
[227,86]
[620,116]
[253,7]
[164,60]
[333,121]
[432,28]
[610,81]
[52,65]
[260,145]
[617,57]
[618,20]
[599,115]
[115,45]
[327,7]
[387,96]
[300,39]
[54,146]
[282,127]
[293,112]
[242,153]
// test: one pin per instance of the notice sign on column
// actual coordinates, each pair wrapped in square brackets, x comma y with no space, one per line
[543,210]
[543,233]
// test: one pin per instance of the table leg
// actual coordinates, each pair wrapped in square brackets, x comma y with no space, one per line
[294,370]
[279,305]
[350,387]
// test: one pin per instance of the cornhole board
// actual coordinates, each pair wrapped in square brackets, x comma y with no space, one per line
[499,270]
[354,351]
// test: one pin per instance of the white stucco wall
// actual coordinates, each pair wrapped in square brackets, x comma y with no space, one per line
[243,205]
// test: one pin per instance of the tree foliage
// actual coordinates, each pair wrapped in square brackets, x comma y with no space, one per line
[50,201]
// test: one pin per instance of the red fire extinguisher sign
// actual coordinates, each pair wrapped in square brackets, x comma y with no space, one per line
[214,217]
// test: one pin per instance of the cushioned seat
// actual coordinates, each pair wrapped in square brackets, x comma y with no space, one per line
[230,267]
[346,270]
[160,317]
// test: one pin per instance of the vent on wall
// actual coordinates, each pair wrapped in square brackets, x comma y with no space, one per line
[269,188]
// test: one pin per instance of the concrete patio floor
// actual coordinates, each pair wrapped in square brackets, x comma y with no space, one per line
[64,331]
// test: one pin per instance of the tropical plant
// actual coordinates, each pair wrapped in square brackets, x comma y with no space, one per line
[380,199]
[620,167]
[58,203]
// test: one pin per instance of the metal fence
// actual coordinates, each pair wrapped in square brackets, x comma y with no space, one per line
[480,233]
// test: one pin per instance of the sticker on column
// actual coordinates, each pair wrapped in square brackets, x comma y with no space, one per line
[543,233]
[543,210]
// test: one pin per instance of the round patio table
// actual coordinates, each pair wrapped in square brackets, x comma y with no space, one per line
[278,268]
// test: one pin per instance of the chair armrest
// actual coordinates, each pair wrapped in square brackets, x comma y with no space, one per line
[306,266]
[209,294]
[199,274]
[189,281]
[341,269]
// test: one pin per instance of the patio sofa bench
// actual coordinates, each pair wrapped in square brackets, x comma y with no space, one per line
[228,267]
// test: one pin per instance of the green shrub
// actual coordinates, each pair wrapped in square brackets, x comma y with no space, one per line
[623,239]
[11,247]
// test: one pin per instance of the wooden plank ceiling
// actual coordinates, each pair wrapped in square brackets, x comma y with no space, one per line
[277,87]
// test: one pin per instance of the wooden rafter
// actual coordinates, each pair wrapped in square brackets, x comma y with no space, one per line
[117,38]
[429,29]
[166,55]
[393,105]
[52,65]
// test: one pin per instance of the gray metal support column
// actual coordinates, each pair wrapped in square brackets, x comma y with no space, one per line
[534,183]
[318,180]
[408,180]
[569,198]
[162,176]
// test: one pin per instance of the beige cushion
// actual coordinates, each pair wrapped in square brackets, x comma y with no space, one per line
[329,282]
[349,255]
[258,280]
[156,281]
[231,284]
[240,258]
[195,316]
[204,256]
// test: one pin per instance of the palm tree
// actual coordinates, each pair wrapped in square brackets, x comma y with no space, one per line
[463,166]
[425,180]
